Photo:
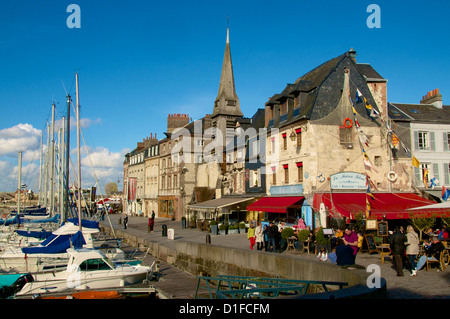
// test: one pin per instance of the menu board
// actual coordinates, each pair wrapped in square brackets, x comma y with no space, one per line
[371,243]
[382,228]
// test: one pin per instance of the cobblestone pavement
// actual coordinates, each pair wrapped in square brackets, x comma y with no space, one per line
[431,284]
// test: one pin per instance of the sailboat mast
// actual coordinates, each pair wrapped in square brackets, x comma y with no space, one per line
[79,154]
[52,165]
[66,166]
[19,187]
[40,172]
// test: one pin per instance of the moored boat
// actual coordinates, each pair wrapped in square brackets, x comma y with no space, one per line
[87,269]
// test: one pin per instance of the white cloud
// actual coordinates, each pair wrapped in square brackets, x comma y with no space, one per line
[18,138]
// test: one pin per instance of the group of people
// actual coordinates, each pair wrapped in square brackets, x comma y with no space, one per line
[347,242]
[407,245]
[267,238]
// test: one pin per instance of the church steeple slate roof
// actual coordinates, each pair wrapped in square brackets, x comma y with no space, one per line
[227,101]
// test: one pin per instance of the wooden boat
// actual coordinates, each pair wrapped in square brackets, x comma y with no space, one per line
[89,295]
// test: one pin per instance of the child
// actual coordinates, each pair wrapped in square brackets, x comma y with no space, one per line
[323,255]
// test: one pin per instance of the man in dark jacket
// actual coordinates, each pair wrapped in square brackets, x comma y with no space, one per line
[398,248]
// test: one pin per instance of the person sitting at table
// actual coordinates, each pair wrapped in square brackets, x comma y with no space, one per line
[432,252]
[443,234]
[344,254]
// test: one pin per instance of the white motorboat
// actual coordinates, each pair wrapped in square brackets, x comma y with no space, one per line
[51,253]
[87,269]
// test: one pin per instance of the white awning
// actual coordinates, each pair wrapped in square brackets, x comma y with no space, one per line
[219,203]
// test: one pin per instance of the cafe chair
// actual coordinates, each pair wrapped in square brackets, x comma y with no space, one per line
[440,262]
[306,246]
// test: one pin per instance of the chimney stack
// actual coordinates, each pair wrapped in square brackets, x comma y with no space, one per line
[433,97]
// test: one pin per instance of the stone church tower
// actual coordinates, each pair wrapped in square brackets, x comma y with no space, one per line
[226,106]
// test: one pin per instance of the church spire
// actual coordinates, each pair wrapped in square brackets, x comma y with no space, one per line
[227,101]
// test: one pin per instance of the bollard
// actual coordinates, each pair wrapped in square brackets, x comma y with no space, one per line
[164,230]
[208,239]
[120,220]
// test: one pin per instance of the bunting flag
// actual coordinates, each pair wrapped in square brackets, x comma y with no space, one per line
[407,151]
[374,113]
[358,96]
[415,162]
[369,193]
[368,106]
[445,193]
[395,139]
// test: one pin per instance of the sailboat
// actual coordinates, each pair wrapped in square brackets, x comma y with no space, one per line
[86,269]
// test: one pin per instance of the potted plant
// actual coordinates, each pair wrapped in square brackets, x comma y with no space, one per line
[213,225]
[302,236]
[322,241]
[222,229]
[192,222]
[242,227]
[233,229]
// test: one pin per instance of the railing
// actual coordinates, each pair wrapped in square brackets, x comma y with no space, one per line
[235,287]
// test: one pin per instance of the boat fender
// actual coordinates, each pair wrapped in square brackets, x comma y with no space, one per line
[392,176]
[321,178]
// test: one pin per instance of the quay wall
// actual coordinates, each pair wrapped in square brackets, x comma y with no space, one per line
[211,260]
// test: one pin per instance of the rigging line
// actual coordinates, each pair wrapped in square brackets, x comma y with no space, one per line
[89,157]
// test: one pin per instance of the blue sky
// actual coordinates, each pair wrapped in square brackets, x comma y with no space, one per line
[140,60]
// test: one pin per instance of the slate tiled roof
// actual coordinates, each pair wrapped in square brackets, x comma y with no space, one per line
[424,113]
[321,89]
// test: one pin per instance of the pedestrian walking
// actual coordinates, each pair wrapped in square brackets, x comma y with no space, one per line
[271,233]
[259,235]
[125,222]
[151,222]
[412,248]
[398,248]
[251,235]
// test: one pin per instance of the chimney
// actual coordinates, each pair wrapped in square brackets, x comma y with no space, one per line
[434,98]
[176,120]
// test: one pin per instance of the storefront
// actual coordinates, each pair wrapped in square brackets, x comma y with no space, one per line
[224,208]
[282,208]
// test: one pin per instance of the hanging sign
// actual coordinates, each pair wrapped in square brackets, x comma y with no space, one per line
[348,180]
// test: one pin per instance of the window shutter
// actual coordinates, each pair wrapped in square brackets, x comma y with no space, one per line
[417,175]
[436,172]
[446,174]
[432,143]
[445,141]
[416,140]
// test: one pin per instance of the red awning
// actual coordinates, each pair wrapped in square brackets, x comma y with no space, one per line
[275,204]
[385,205]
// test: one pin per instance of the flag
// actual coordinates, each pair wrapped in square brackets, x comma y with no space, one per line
[407,151]
[445,193]
[374,113]
[425,177]
[358,96]
[369,165]
[434,181]
[368,106]
[415,162]
[395,139]
[369,193]
[354,111]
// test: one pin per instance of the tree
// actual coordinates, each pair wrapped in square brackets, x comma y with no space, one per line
[421,222]
[110,188]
